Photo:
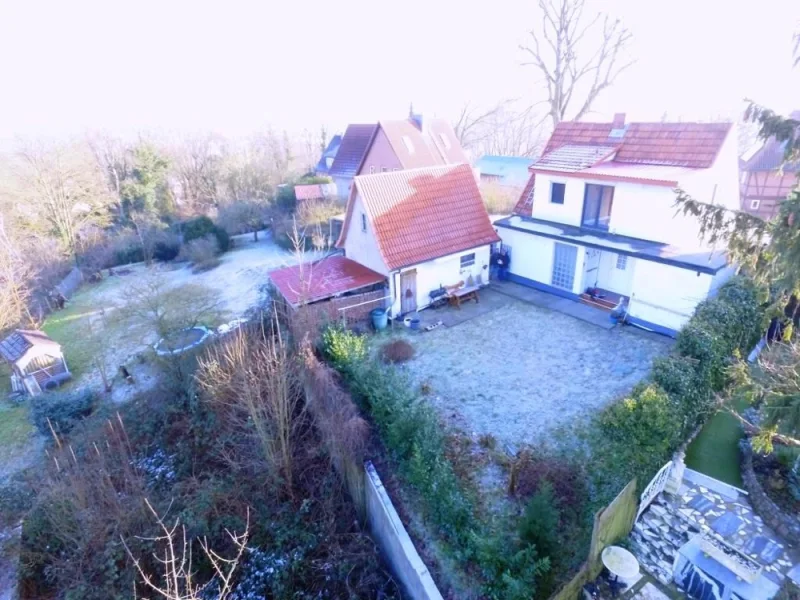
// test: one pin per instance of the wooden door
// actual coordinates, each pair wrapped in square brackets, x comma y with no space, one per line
[408,291]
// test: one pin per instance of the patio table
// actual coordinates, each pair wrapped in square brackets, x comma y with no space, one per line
[620,563]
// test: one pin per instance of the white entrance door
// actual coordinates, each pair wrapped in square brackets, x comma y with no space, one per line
[620,276]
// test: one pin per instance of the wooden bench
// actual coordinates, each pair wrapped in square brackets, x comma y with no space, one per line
[463,294]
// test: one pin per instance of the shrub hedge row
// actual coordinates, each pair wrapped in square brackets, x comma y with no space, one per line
[414,437]
[636,436]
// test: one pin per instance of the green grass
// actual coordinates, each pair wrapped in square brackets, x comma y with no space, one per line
[15,428]
[715,451]
[68,327]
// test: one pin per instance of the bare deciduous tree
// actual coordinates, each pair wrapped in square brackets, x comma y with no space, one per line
[575,72]
[15,280]
[64,190]
[501,130]
[113,159]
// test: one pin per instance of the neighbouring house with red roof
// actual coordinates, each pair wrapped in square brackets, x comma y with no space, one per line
[420,228]
[765,180]
[392,146]
[598,215]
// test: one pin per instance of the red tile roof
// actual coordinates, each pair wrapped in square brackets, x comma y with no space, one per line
[326,278]
[315,191]
[693,145]
[524,205]
[436,144]
[354,146]
[421,214]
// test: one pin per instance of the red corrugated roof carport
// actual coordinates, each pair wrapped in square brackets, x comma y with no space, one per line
[329,277]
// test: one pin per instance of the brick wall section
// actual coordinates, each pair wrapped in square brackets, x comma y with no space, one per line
[785,525]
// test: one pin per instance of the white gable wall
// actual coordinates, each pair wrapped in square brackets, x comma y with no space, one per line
[720,183]
[361,246]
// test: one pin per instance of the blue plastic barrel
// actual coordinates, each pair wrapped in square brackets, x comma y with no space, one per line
[380,318]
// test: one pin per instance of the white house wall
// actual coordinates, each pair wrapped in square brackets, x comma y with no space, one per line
[666,295]
[720,183]
[343,185]
[639,210]
[532,258]
[361,246]
[442,271]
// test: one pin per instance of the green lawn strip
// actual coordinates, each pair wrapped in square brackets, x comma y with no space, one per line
[715,451]
[68,327]
[15,428]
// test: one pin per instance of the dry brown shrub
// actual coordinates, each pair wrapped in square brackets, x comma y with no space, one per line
[531,469]
[251,381]
[397,351]
[335,414]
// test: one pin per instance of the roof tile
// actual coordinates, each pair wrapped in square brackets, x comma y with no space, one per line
[326,278]
[352,150]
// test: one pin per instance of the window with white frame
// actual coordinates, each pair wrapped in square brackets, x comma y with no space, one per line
[384,169]
[557,192]
[372,169]
[363,222]
[408,144]
[754,204]
[467,260]
[622,262]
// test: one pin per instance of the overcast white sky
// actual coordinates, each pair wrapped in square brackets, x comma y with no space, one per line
[234,67]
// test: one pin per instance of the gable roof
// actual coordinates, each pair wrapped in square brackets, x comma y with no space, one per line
[353,148]
[421,214]
[329,154]
[315,191]
[16,345]
[694,145]
[326,278]
[435,144]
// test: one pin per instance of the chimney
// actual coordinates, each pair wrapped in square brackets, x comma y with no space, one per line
[416,119]
[619,121]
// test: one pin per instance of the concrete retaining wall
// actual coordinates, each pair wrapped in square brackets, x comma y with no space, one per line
[398,549]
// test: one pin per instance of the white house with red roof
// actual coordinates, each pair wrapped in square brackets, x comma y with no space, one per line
[597,220]
[421,228]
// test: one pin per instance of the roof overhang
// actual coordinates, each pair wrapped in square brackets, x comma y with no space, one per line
[700,261]
[588,174]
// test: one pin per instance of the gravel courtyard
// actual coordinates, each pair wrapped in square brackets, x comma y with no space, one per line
[519,372]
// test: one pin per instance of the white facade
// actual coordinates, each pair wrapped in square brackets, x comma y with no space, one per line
[361,246]
[662,289]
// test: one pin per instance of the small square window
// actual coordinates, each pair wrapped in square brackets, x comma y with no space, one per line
[622,262]
[363,222]
[754,204]
[468,260]
[371,170]
[384,169]
[557,193]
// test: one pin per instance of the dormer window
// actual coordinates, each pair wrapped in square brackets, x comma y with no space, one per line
[409,146]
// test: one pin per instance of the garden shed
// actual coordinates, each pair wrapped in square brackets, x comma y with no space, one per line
[37,362]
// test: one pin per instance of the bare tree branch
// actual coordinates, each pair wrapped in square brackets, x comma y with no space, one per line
[565,31]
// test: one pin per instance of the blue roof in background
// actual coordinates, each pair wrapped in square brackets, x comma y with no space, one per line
[512,170]
[330,153]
